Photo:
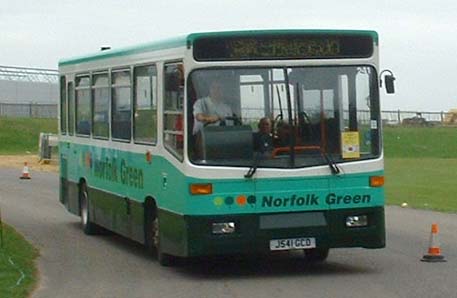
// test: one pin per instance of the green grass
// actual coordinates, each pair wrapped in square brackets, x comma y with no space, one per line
[427,183]
[17,279]
[19,135]
[421,167]
[420,142]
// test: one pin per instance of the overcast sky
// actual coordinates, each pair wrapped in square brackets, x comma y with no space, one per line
[418,39]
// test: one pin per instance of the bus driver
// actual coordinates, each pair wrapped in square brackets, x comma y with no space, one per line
[211,110]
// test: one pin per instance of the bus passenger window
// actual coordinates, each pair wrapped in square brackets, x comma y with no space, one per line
[63,106]
[145,98]
[121,105]
[100,95]
[71,107]
[83,106]
[173,108]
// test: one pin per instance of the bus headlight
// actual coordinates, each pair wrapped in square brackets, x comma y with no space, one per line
[223,228]
[356,221]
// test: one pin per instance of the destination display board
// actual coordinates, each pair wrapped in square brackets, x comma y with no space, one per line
[269,47]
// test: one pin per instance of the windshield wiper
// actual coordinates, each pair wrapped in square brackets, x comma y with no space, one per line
[253,168]
[331,163]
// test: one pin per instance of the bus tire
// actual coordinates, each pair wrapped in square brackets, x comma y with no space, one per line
[316,255]
[152,236]
[87,225]
[164,259]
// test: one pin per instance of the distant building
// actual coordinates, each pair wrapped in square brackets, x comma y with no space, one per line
[28,85]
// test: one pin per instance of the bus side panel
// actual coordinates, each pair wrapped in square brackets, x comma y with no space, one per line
[63,183]
[69,190]
[117,214]
[73,198]
[173,233]
[137,221]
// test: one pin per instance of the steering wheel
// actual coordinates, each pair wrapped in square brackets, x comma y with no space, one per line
[236,120]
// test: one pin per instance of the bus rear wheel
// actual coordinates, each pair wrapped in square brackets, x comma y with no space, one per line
[316,255]
[87,225]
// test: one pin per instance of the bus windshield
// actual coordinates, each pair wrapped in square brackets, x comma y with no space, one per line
[283,117]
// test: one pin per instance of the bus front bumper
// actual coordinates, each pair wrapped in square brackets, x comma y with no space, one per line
[194,236]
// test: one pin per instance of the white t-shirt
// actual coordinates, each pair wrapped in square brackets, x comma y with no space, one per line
[207,106]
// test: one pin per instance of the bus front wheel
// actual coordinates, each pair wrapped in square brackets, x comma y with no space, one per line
[87,225]
[152,237]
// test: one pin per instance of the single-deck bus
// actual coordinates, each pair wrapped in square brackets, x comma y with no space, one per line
[146,152]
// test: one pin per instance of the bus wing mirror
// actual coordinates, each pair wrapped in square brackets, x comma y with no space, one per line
[389,81]
[390,86]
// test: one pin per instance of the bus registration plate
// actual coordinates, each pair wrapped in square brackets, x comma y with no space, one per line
[292,243]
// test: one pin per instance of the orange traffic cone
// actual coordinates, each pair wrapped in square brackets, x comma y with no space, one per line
[434,250]
[25,172]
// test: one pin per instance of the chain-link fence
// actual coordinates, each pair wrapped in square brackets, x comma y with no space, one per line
[28,110]
[418,118]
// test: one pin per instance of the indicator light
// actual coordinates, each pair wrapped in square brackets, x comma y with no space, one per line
[201,189]
[376,181]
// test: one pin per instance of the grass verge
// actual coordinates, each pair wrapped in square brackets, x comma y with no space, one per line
[21,135]
[420,142]
[18,272]
[427,183]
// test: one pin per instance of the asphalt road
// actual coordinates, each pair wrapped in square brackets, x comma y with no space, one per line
[75,265]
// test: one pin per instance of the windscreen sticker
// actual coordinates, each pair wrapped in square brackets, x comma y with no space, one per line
[374,124]
[350,144]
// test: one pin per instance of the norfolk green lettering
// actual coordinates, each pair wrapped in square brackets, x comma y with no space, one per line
[131,176]
[310,199]
[108,169]
[314,200]
[333,199]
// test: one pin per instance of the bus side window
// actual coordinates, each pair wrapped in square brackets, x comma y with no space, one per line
[71,107]
[101,102]
[63,105]
[145,103]
[173,108]
[83,105]
[121,105]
